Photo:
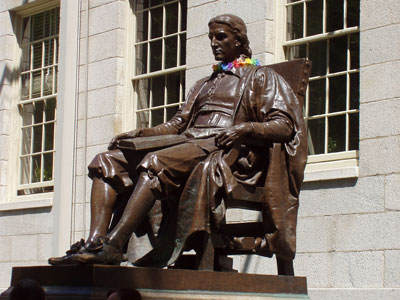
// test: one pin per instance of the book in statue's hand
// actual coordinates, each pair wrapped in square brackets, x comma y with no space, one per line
[151,142]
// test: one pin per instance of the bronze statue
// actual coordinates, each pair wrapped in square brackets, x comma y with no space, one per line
[187,175]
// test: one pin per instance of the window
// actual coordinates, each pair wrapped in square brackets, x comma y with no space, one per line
[159,65]
[38,102]
[327,33]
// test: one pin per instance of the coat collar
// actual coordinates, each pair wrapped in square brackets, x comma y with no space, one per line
[238,72]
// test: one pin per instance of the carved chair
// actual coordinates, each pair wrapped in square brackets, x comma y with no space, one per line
[296,73]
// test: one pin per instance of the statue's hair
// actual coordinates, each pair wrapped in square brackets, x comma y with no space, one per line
[238,28]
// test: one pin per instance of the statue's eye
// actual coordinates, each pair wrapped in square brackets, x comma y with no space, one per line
[220,36]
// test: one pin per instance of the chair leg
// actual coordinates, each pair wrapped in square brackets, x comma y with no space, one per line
[206,258]
[285,266]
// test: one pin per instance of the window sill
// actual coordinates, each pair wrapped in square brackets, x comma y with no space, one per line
[332,166]
[342,173]
[26,203]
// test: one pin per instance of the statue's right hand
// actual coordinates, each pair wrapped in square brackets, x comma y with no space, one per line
[126,135]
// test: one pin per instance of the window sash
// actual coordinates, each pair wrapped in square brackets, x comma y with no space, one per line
[38,102]
[153,86]
[328,77]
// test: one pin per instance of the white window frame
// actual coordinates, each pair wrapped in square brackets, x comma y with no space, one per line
[163,72]
[13,201]
[322,166]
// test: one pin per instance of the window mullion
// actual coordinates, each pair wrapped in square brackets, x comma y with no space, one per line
[324,16]
[327,98]
[163,38]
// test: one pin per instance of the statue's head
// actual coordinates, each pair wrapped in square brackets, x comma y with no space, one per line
[228,36]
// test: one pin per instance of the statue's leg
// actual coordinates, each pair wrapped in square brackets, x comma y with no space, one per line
[108,249]
[139,204]
[102,201]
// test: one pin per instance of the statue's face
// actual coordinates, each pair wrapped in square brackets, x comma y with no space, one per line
[223,42]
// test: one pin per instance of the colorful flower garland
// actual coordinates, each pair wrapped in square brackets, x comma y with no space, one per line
[236,63]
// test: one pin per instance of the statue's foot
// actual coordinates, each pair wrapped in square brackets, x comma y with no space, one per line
[67,259]
[102,254]
[62,260]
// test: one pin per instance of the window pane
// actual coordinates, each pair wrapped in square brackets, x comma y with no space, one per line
[299,51]
[318,57]
[37,27]
[354,90]
[26,140]
[295,21]
[27,114]
[157,117]
[37,81]
[48,52]
[183,49]
[37,55]
[353,13]
[171,111]
[55,79]
[36,168]
[142,119]
[143,92]
[25,169]
[156,22]
[37,138]
[25,86]
[141,59]
[50,109]
[355,50]
[156,2]
[314,17]
[337,134]
[334,15]
[317,97]
[48,81]
[171,45]
[316,136]
[142,20]
[184,16]
[354,131]
[38,113]
[158,89]
[49,137]
[337,93]
[171,12]
[155,55]
[338,54]
[173,83]
[47,166]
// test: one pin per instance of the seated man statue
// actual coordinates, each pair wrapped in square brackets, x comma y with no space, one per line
[191,179]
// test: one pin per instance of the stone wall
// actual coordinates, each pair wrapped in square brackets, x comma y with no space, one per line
[102,78]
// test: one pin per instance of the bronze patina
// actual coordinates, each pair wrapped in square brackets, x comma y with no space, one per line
[184,172]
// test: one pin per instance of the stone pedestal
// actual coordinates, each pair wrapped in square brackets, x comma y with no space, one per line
[94,281]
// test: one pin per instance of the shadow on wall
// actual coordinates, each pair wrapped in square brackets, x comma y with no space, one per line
[9,76]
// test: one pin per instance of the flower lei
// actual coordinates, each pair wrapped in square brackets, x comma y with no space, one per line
[236,63]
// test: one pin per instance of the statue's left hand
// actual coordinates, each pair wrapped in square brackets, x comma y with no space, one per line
[130,134]
[228,137]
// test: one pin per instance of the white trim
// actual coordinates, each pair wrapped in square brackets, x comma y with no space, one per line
[28,204]
[65,139]
[36,7]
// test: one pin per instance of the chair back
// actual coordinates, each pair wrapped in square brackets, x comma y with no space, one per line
[296,73]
